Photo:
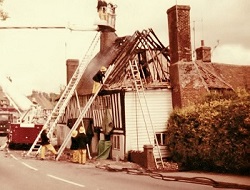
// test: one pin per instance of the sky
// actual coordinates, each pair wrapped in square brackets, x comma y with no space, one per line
[36,59]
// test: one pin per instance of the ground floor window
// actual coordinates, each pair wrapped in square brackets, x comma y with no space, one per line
[161,138]
[116,142]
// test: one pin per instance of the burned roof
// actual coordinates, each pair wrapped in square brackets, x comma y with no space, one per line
[141,45]
[145,48]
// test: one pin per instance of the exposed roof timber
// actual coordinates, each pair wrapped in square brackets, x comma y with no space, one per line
[152,48]
[164,50]
[138,42]
[153,39]
[123,57]
[155,49]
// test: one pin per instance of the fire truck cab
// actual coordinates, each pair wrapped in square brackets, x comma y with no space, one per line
[23,131]
[5,122]
[7,116]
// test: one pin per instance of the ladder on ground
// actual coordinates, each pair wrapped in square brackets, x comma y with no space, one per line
[145,112]
[61,105]
[82,113]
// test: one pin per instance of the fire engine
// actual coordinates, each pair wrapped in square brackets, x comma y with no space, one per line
[7,116]
[31,117]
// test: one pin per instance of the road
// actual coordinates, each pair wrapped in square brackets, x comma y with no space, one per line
[22,173]
[29,173]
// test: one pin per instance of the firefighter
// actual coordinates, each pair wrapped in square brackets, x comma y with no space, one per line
[98,79]
[74,147]
[46,145]
[102,9]
[82,145]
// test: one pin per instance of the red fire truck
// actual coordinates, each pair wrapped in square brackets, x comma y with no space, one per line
[24,130]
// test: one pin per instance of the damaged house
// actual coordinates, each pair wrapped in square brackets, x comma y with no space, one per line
[137,112]
[168,78]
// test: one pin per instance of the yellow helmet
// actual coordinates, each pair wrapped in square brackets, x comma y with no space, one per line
[81,129]
[74,133]
[103,69]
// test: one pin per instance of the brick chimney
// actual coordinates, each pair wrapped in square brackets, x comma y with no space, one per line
[179,33]
[107,39]
[71,65]
[203,53]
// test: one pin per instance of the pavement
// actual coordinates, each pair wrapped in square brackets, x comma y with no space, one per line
[216,180]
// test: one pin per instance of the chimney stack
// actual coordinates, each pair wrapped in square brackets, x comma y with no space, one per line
[179,33]
[203,53]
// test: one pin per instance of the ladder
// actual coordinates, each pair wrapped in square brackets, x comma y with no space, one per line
[145,112]
[82,113]
[59,109]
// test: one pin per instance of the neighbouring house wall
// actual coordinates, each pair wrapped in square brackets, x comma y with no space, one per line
[187,84]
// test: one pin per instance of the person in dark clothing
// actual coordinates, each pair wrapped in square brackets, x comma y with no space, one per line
[102,9]
[98,79]
[45,142]
[82,141]
[143,66]
[74,147]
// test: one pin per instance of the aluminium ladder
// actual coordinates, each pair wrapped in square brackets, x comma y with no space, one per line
[82,113]
[141,97]
[59,109]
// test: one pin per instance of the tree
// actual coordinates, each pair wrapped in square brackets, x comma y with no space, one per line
[3,15]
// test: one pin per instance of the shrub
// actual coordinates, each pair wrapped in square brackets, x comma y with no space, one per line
[213,135]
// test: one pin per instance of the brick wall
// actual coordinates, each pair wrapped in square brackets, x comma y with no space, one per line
[186,83]
[72,65]
[144,158]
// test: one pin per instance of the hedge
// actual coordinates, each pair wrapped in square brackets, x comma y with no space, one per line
[213,135]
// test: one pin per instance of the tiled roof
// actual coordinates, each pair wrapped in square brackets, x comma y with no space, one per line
[228,76]
[198,74]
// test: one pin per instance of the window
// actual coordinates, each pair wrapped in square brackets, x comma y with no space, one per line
[4,117]
[116,142]
[161,138]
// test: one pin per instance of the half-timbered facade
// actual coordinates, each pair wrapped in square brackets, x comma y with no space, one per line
[131,129]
